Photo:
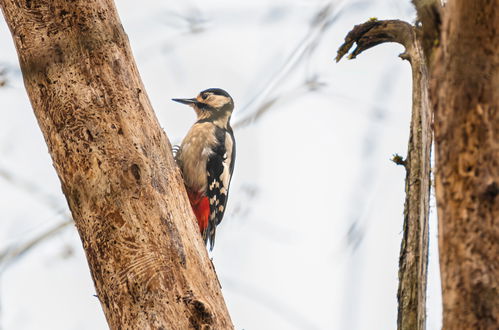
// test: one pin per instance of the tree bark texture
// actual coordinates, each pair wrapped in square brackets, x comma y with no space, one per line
[414,248]
[428,22]
[149,265]
[465,97]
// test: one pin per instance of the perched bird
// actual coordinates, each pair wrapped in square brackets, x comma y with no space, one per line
[206,158]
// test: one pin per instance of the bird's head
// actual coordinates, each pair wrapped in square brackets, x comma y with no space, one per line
[213,103]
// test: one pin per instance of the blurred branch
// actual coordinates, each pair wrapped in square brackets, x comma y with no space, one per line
[261,110]
[9,72]
[3,77]
[14,253]
[266,105]
[191,20]
[277,306]
[32,189]
[262,102]
[360,201]
[414,249]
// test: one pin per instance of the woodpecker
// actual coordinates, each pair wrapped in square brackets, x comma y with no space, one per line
[206,158]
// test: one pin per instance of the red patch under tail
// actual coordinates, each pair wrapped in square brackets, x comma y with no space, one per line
[201,207]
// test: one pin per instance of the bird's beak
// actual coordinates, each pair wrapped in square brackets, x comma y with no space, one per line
[186,101]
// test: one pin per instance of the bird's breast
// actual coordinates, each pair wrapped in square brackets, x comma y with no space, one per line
[194,152]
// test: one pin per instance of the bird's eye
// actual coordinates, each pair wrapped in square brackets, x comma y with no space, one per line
[204,96]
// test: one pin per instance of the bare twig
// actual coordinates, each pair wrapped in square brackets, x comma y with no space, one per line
[32,189]
[263,100]
[277,306]
[374,32]
[414,250]
[399,160]
[3,77]
[359,200]
[13,253]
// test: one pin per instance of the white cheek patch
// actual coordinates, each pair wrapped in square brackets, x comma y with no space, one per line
[217,101]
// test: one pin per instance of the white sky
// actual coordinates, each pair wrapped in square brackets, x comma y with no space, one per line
[312,235]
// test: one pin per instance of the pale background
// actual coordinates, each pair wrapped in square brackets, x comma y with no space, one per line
[312,233]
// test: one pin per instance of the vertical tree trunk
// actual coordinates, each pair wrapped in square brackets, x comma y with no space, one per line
[413,261]
[149,265]
[465,96]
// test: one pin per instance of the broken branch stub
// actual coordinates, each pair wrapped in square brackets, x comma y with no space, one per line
[374,32]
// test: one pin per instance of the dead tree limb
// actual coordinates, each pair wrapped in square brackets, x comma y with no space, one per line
[414,249]
[149,265]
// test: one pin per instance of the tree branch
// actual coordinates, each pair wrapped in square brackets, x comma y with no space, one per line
[414,248]
[149,265]
[374,32]
[263,101]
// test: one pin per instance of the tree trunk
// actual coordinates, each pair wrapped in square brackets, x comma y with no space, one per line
[465,96]
[149,265]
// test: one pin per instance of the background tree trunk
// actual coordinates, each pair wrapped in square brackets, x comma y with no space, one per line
[465,96]
[149,265]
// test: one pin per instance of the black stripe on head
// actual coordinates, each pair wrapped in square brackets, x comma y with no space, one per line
[204,106]
[216,91]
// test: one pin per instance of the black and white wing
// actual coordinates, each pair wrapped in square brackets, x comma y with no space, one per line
[220,166]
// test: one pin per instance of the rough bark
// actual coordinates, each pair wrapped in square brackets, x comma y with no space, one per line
[149,265]
[428,22]
[465,97]
[414,249]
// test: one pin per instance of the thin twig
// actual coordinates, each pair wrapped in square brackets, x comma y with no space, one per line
[277,306]
[263,100]
[32,189]
[13,253]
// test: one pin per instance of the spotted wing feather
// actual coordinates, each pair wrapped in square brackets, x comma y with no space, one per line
[220,166]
